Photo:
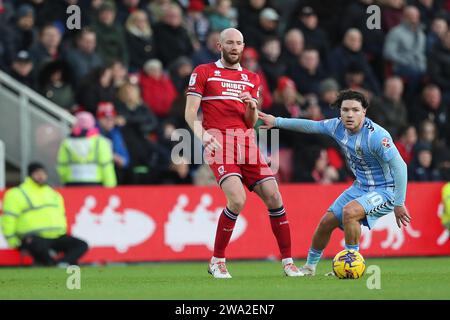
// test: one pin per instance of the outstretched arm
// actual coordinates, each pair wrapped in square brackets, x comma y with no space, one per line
[301,125]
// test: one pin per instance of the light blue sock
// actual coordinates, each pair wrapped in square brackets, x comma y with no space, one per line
[313,257]
[354,247]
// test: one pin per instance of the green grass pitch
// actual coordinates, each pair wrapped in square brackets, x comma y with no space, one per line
[401,278]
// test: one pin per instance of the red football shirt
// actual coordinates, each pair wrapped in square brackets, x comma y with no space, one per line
[219,87]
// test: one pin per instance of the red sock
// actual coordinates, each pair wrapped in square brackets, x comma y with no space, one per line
[281,230]
[225,228]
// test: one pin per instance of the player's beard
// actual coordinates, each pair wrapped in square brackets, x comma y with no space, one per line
[228,59]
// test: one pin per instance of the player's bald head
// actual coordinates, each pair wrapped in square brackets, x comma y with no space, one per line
[231,33]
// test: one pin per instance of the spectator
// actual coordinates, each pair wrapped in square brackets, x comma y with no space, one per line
[328,92]
[85,157]
[355,79]
[436,34]
[119,73]
[428,132]
[307,21]
[287,105]
[270,61]
[219,19]
[428,10]
[312,108]
[96,87]
[323,172]
[431,107]
[422,168]
[249,61]
[84,58]
[356,17]
[428,135]
[148,160]
[248,15]
[180,70]
[171,38]
[23,32]
[197,23]
[439,66]
[22,69]
[54,12]
[405,48]
[134,113]
[391,14]
[293,47]
[255,36]
[209,52]
[106,123]
[110,37]
[48,48]
[157,9]
[406,142]
[34,220]
[139,36]
[178,172]
[152,79]
[126,8]
[389,110]
[308,73]
[54,84]
[350,52]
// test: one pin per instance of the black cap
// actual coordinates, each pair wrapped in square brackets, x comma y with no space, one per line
[22,56]
[307,11]
[34,166]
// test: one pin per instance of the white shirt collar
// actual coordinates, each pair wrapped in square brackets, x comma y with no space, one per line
[219,64]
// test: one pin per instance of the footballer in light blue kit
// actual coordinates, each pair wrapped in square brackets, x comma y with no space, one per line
[381,173]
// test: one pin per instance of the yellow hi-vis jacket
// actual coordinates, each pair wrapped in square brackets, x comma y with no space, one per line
[446,201]
[32,209]
[86,160]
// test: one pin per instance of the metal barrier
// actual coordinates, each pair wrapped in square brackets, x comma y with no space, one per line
[31,126]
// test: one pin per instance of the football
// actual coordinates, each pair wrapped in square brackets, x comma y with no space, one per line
[349,264]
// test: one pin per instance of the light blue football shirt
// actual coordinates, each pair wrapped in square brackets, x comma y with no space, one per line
[370,153]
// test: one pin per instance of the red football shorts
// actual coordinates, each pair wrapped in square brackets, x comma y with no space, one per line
[239,156]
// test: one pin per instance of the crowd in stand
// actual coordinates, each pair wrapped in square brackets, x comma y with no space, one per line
[133,58]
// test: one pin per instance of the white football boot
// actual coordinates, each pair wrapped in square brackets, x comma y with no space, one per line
[290,269]
[218,269]
[307,270]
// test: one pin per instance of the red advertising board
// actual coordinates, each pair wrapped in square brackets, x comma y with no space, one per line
[166,223]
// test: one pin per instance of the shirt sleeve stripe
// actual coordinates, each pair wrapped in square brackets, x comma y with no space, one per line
[194,94]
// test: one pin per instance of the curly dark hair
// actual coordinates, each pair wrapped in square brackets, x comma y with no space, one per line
[350,95]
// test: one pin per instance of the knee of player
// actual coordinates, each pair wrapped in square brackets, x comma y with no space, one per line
[273,199]
[349,213]
[237,202]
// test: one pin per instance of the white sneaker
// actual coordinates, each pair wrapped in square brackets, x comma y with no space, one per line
[291,270]
[308,270]
[218,269]
[330,274]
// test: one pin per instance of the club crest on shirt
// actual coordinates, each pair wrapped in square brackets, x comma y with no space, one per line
[217,73]
[244,77]
[386,143]
[359,152]
[221,170]
[193,79]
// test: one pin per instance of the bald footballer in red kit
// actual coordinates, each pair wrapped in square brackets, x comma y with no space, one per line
[228,96]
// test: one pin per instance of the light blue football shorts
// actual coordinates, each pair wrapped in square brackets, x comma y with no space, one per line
[376,203]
